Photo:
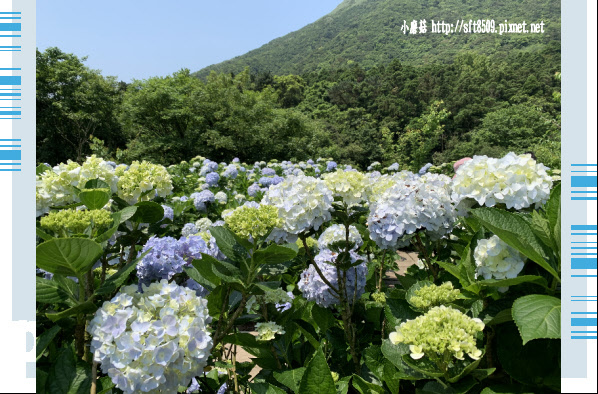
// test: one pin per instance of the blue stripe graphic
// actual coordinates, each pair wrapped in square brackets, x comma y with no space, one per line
[10,154]
[10,27]
[10,80]
[584,181]
[583,322]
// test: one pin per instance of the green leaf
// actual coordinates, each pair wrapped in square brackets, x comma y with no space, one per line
[148,212]
[274,254]
[41,169]
[49,291]
[42,342]
[537,364]
[83,308]
[424,365]
[126,213]
[94,198]
[274,269]
[398,311]
[67,256]
[291,378]
[203,273]
[265,388]
[66,377]
[229,245]
[364,387]
[96,184]
[515,281]
[115,281]
[41,377]
[503,316]
[553,214]
[317,377]
[517,233]
[42,234]
[537,316]
[394,354]
[105,385]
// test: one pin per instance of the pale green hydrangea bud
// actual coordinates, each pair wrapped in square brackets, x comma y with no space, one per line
[143,182]
[379,297]
[76,221]
[442,331]
[248,221]
[336,233]
[267,331]
[351,186]
[203,224]
[429,296]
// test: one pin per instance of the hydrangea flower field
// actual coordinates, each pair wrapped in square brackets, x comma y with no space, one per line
[152,279]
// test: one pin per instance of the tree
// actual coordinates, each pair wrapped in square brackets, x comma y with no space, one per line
[73,102]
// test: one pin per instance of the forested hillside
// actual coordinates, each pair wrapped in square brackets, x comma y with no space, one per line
[369,32]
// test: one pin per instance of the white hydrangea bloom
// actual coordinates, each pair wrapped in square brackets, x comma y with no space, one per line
[268,330]
[154,341]
[379,184]
[497,260]
[412,204]
[336,233]
[55,187]
[303,203]
[143,182]
[351,186]
[221,197]
[517,181]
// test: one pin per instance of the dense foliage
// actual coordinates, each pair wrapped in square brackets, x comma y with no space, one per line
[369,32]
[151,279]
[389,113]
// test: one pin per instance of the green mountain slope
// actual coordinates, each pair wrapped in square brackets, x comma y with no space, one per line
[369,32]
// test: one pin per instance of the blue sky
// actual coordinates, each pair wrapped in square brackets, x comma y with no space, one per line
[144,38]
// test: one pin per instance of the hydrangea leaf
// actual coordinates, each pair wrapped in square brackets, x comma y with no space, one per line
[42,342]
[291,378]
[94,198]
[49,291]
[67,256]
[265,388]
[538,280]
[537,316]
[83,308]
[517,233]
[274,254]
[228,243]
[394,354]
[317,377]
[364,387]
[96,184]
[148,212]
[119,278]
[41,169]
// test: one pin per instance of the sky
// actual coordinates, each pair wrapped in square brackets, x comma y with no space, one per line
[138,39]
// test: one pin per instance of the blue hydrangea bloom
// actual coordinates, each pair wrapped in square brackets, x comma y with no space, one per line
[168,256]
[253,190]
[212,179]
[189,229]
[168,212]
[315,289]
[268,172]
[236,160]
[330,166]
[425,169]
[230,172]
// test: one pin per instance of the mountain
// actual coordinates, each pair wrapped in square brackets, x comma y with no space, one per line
[369,32]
